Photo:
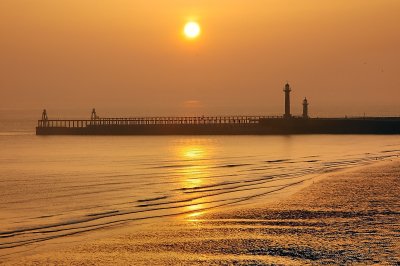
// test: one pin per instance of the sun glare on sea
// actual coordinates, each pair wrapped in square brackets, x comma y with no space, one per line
[192,30]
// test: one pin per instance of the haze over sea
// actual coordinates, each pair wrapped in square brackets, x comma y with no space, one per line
[54,186]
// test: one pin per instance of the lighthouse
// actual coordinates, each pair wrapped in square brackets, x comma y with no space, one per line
[287,91]
[305,108]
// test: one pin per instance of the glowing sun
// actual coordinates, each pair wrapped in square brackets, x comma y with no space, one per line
[192,30]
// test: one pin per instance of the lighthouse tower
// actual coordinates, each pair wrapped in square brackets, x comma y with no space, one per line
[305,108]
[287,91]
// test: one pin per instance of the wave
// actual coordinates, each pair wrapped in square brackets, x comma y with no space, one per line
[163,191]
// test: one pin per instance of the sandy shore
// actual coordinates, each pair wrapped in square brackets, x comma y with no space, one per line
[348,217]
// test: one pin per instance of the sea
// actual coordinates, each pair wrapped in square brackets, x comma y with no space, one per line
[57,186]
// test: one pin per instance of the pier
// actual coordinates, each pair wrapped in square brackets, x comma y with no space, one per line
[220,125]
[190,120]
[184,125]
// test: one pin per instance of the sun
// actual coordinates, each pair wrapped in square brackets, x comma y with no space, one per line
[192,30]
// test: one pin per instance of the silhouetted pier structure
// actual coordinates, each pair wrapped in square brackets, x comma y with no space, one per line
[220,125]
[187,120]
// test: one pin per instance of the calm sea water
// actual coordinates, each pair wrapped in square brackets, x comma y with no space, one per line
[54,186]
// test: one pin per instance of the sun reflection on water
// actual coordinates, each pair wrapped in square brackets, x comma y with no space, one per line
[196,173]
[195,210]
[193,152]
[194,176]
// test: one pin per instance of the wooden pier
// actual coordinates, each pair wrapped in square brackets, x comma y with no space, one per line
[190,120]
[216,125]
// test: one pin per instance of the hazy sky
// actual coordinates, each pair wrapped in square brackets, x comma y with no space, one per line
[130,56]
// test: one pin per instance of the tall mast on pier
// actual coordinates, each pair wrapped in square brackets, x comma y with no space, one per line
[287,91]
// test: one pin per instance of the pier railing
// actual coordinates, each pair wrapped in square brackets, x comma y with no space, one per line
[194,120]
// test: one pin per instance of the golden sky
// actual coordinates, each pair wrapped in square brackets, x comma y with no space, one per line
[344,55]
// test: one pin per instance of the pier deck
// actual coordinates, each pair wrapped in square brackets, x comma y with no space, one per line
[218,125]
[202,120]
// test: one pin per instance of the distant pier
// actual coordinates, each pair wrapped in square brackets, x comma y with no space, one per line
[189,120]
[220,125]
[150,125]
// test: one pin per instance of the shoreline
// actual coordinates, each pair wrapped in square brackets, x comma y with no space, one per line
[349,216]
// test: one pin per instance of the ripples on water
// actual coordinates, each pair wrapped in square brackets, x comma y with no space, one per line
[57,186]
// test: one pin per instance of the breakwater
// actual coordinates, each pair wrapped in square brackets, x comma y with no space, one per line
[219,125]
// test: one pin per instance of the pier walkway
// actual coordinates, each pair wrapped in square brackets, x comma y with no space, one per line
[217,125]
[191,120]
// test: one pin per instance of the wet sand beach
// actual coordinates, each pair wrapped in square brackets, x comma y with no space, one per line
[348,217]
